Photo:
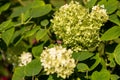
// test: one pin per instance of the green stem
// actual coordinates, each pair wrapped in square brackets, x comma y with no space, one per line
[21,2]
[32,77]
[22,18]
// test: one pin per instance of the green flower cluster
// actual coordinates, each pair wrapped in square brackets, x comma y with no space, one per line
[77,27]
[58,60]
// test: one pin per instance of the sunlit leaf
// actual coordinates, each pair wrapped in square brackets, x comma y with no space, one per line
[102,75]
[44,22]
[82,67]
[7,35]
[4,7]
[118,13]
[114,18]
[114,77]
[6,25]
[40,34]
[111,34]
[117,54]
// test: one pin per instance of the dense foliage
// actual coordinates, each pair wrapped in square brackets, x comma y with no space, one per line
[60,39]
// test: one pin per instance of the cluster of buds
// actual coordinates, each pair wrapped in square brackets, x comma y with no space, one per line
[77,27]
[58,60]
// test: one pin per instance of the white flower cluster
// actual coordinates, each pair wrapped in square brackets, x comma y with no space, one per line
[77,27]
[58,60]
[25,58]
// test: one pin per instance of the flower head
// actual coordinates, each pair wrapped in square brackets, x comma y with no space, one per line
[77,27]
[25,58]
[58,60]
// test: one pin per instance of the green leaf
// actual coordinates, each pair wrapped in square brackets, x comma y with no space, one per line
[18,74]
[91,3]
[40,34]
[32,31]
[6,25]
[111,59]
[102,75]
[57,3]
[111,34]
[18,33]
[37,3]
[33,68]
[40,11]
[44,22]
[117,54]
[7,35]
[50,77]
[114,77]
[114,18]
[4,7]
[97,61]
[118,13]
[37,50]
[82,67]
[80,56]
[110,8]
[17,11]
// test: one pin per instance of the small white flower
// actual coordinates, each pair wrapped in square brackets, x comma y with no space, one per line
[60,61]
[25,58]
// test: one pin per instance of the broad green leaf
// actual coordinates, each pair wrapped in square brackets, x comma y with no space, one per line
[37,50]
[111,34]
[102,75]
[97,61]
[118,13]
[114,77]
[6,25]
[110,5]
[40,34]
[18,33]
[33,68]
[80,56]
[26,15]
[114,18]
[18,74]
[40,11]
[57,3]
[82,67]
[44,22]
[31,32]
[7,35]
[91,3]
[117,54]
[17,11]
[4,7]
[37,3]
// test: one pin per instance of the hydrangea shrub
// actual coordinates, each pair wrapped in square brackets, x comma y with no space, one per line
[60,39]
